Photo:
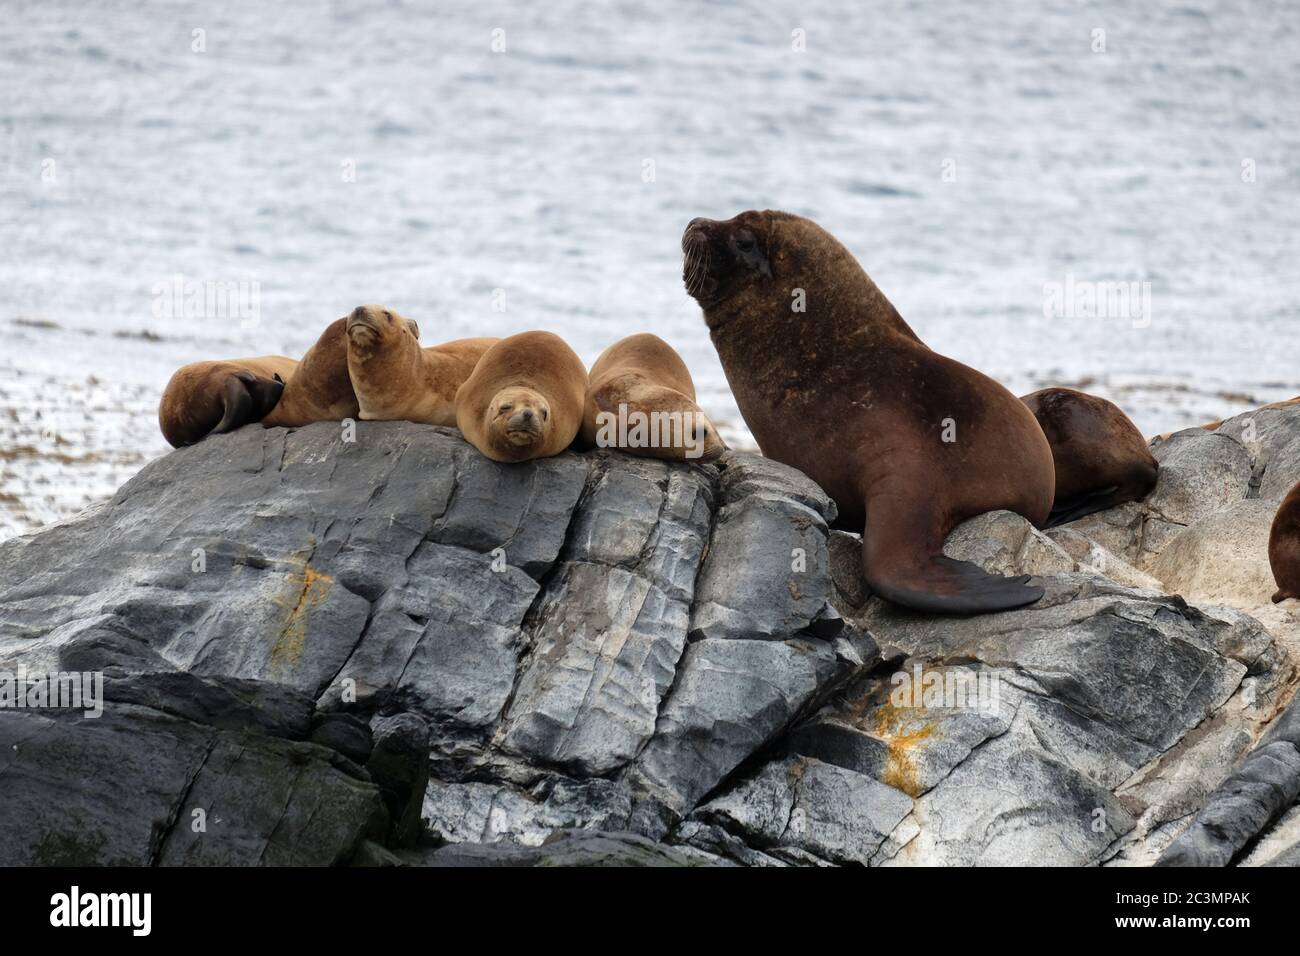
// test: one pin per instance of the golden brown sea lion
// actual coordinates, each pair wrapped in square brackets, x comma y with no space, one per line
[831,380]
[1100,458]
[395,379]
[524,399]
[640,399]
[320,389]
[205,398]
[1284,547]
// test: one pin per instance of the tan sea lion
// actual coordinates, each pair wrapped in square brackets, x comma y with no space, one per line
[831,380]
[524,399]
[1101,459]
[640,399]
[320,389]
[205,398]
[397,380]
[1284,547]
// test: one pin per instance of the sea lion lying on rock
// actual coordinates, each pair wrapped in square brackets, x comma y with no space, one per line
[524,399]
[397,380]
[641,400]
[215,397]
[1100,458]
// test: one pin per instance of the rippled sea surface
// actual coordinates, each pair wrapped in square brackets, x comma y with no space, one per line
[326,155]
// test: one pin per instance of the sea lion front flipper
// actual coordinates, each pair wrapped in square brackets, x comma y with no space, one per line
[238,402]
[1090,503]
[902,561]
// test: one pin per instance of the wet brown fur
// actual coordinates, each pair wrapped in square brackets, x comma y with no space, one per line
[848,394]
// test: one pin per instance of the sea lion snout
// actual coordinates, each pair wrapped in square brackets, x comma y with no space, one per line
[363,327]
[524,427]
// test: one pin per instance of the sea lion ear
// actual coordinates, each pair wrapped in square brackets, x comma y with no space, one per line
[276,376]
[415,329]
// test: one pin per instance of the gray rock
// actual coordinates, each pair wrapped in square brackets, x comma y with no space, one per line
[476,812]
[573,848]
[767,572]
[731,698]
[1265,784]
[832,813]
[167,791]
[353,652]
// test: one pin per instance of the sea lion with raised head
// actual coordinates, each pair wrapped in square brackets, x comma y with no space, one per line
[397,380]
[524,399]
[205,398]
[1099,456]
[641,400]
[831,380]
[320,389]
[1284,547]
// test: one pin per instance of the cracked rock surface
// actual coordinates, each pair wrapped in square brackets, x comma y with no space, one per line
[392,651]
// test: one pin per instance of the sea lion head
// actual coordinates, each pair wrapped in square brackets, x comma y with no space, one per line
[759,261]
[518,420]
[370,327]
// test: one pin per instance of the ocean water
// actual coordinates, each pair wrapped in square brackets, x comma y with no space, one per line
[487,168]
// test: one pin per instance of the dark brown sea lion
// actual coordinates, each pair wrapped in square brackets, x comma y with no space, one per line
[205,398]
[1284,547]
[1100,457]
[831,380]
[524,399]
[641,400]
[320,389]
[395,379]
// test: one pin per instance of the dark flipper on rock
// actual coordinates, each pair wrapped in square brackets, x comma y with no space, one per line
[1092,502]
[947,586]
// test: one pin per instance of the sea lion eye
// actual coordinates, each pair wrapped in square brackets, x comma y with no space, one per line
[545,414]
[504,408]
[745,243]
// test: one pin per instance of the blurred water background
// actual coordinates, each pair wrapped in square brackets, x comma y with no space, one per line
[486,168]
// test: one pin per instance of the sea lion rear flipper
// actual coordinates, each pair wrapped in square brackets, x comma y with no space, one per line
[1090,503]
[903,563]
[945,585]
[238,404]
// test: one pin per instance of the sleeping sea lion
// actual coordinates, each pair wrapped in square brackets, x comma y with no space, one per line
[524,399]
[1100,458]
[205,398]
[641,400]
